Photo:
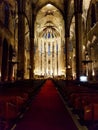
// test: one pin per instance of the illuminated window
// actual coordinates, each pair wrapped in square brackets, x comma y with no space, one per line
[49,50]
[49,34]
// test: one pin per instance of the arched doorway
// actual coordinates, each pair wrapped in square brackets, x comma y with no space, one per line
[49,57]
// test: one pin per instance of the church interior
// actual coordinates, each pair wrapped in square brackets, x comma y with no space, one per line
[48,64]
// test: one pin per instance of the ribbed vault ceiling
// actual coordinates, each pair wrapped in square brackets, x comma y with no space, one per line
[49,17]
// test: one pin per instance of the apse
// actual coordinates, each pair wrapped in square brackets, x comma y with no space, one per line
[49,57]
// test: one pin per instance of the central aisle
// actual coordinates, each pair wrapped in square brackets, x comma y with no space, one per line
[47,112]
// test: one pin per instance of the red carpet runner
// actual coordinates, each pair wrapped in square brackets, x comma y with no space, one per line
[47,112]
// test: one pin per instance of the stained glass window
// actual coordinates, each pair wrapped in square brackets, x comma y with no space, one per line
[49,50]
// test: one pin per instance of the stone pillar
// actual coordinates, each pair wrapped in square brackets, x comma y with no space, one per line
[42,58]
[21,39]
[96,10]
[32,47]
[4,65]
[67,56]
[10,63]
[78,34]
[32,58]
[46,59]
[51,58]
[0,55]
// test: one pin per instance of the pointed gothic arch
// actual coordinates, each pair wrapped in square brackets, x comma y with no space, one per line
[49,42]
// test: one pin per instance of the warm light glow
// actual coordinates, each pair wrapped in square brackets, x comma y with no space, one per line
[70,57]
[88,43]
[49,55]
[83,47]
[72,28]
[74,75]
[69,66]
[94,38]
[72,1]
[93,73]
[49,36]
[86,4]
[48,5]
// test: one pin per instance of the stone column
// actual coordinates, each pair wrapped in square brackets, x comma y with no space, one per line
[32,46]
[32,58]
[0,55]
[78,34]
[42,58]
[67,56]
[10,63]
[45,58]
[96,10]
[4,65]
[51,58]
[21,39]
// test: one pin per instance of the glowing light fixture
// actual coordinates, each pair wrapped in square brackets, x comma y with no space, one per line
[83,47]
[83,79]
[93,73]
[93,39]
[49,5]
